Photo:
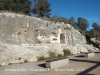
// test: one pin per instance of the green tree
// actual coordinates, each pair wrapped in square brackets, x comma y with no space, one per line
[72,22]
[41,8]
[15,5]
[2,4]
[82,23]
[95,25]
[95,32]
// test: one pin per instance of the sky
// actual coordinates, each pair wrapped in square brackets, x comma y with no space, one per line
[88,9]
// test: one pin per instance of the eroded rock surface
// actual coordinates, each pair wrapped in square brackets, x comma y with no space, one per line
[24,38]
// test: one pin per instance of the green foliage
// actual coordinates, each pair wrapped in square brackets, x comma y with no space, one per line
[95,32]
[57,18]
[66,52]
[22,6]
[72,22]
[95,25]
[41,58]
[41,8]
[2,4]
[62,19]
[52,55]
[59,55]
[82,23]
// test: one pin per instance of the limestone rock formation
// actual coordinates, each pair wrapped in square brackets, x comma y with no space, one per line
[25,37]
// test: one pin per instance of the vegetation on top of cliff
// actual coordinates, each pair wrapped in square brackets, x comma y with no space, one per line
[22,6]
[41,8]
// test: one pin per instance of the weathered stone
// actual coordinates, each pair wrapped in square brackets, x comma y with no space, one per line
[3,64]
[14,62]
[28,37]
[88,55]
[21,61]
[54,63]
[32,59]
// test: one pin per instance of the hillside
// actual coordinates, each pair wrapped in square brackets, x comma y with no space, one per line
[26,38]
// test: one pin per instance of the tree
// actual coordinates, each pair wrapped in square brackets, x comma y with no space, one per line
[2,4]
[41,8]
[95,25]
[72,22]
[82,23]
[95,32]
[15,5]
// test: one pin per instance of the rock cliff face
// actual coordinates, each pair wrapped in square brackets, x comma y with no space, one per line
[21,29]
[26,38]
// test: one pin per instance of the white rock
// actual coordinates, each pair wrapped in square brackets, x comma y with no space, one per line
[4,64]
[32,59]
[21,61]
[14,62]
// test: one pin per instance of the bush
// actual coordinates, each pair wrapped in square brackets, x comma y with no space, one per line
[66,52]
[52,55]
[10,64]
[41,58]
[25,61]
[19,33]
[59,55]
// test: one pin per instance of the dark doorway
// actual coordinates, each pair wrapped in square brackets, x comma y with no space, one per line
[62,38]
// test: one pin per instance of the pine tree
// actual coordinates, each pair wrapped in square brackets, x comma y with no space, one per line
[82,23]
[15,5]
[41,8]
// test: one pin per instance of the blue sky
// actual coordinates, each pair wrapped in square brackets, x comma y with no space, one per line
[88,9]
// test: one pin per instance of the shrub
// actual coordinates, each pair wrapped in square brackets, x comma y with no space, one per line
[66,52]
[59,55]
[25,61]
[19,58]
[41,58]
[10,64]
[52,55]
[19,33]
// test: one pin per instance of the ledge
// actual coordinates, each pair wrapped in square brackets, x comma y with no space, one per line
[57,62]
[90,54]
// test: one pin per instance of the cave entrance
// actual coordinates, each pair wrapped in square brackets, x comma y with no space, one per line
[62,38]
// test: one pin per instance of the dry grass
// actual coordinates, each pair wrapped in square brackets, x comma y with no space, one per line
[67,52]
